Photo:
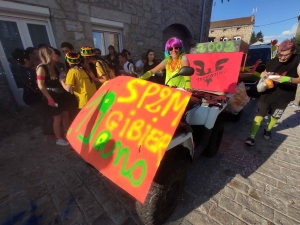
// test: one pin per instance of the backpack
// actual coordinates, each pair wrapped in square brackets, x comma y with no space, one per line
[128,66]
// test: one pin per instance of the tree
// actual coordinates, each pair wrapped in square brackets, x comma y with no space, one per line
[297,44]
[253,38]
[256,37]
[260,36]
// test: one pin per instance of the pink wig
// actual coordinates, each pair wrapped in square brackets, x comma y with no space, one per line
[173,42]
[286,45]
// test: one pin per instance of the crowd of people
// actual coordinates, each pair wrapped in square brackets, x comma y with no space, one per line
[58,91]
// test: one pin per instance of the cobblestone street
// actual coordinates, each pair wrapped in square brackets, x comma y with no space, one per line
[42,183]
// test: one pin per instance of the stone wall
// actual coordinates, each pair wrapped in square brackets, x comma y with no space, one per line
[243,31]
[144,20]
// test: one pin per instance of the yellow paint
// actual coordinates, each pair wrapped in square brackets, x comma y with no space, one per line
[177,104]
[135,130]
[112,124]
[150,91]
[131,86]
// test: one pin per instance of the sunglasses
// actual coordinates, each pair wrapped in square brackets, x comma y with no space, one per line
[175,48]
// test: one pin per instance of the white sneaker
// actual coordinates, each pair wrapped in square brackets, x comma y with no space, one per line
[62,142]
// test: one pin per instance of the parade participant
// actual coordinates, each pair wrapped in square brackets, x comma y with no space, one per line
[78,80]
[276,99]
[32,96]
[55,96]
[66,48]
[126,67]
[93,66]
[139,65]
[112,59]
[151,61]
[98,53]
[174,59]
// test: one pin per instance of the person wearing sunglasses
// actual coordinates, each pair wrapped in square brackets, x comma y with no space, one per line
[174,59]
[275,100]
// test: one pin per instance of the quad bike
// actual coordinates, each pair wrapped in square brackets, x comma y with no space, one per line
[200,131]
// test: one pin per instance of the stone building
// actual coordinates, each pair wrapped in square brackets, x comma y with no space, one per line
[136,25]
[233,29]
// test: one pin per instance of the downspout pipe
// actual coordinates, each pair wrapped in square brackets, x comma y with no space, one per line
[202,20]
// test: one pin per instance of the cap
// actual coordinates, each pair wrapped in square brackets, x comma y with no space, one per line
[87,51]
[72,58]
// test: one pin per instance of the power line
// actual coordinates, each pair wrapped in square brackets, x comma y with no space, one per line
[277,22]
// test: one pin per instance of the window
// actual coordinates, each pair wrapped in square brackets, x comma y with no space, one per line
[21,26]
[223,39]
[23,33]
[106,33]
[224,30]
[237,38]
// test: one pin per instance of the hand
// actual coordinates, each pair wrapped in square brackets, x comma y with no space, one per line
[146,75]
[51,102]
[264,74]
[62,80]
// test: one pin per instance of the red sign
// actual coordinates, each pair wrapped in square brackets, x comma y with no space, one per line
[215,71]
[125,129]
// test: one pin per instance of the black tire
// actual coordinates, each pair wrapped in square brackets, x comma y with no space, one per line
[163,196]
[237,117]
[215,139]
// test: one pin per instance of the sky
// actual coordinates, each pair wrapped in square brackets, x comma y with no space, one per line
[268,11]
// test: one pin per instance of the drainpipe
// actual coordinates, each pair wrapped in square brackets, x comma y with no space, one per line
[202,20]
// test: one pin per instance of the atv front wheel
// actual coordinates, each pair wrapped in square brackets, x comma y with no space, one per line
[162,197]
[215,139]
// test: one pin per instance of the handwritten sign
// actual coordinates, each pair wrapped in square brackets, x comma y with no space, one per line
[125,129]
[215,72]
[221,46]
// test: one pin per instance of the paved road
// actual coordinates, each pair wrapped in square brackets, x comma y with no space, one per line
[45,184]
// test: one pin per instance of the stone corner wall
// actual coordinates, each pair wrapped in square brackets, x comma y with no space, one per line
[144,20]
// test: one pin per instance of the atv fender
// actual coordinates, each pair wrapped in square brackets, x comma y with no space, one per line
[186,140]
[204,115]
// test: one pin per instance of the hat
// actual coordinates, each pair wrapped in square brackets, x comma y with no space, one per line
[87,51]
[72,58]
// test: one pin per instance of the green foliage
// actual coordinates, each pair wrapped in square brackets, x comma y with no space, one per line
[253,38]
[256,37]
[260,36]
[297,44]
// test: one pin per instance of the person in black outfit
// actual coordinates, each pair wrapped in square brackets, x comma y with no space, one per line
[112,59]
[32,96]
[151,62]
[55,96]
[276,99]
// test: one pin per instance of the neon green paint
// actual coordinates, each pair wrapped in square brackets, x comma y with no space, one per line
[229,47]
[69,131]
[105,104]
[93,105]
[128,172]
[100,143]
[201,48]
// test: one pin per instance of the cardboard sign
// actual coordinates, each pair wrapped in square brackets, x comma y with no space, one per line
[220,46]
[125,129]
[215,71]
